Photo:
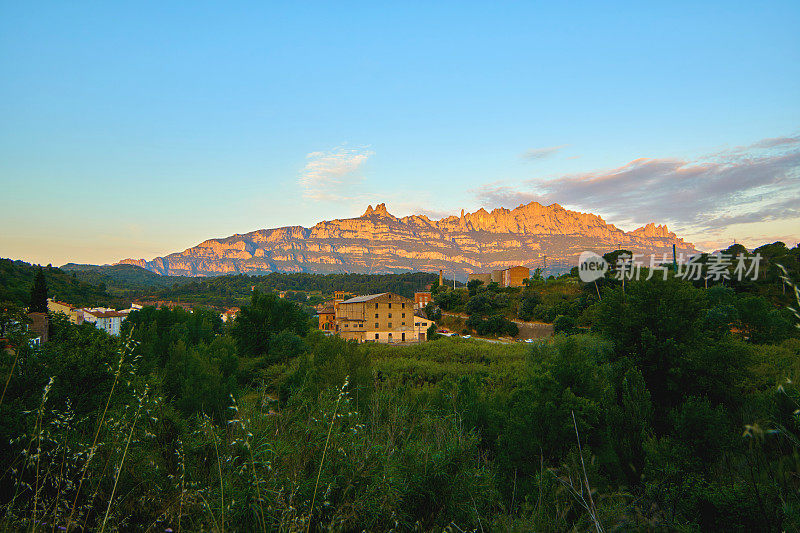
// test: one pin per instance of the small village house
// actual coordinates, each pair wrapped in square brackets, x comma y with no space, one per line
[384,317]
[507,277]
[74,314]
[108,320]
[421,299]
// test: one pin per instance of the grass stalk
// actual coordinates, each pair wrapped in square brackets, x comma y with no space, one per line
[219,467]
[325,450]
[123,352]
[38,429]
[122,461]
[183,484]
[247,445]
[593,509]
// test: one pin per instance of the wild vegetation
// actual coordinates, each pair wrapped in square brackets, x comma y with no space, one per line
[674,409]
[16,278]
[568,304]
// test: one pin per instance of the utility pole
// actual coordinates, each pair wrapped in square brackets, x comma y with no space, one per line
[674,260]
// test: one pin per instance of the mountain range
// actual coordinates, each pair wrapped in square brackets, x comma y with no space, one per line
[532,235]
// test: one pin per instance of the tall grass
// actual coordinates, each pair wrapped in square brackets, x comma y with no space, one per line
[325,449]
[125,350]
[124,453]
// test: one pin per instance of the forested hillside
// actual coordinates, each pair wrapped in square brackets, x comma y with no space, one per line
[122,277]
[131,282]
[227,290]
[16,278]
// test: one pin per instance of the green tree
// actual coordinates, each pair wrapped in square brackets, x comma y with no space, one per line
[527,306]
[432,312]
[481,304]
[629,426]
[266,316]
[761,322]
[38,299]
[473,285]
[655,323]
[431,334]
[564,324]
[285,346]
[194,381]
[332,361]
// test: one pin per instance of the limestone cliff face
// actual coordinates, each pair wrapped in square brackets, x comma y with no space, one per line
[378,242]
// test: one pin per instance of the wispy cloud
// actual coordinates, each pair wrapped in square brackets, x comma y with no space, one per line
[327,175]
[755,183]
[541,153]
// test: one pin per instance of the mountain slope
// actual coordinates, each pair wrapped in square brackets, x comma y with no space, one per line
[120,276]
[16,278]
[378,242]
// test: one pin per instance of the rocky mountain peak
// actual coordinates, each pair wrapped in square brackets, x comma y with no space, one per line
[654,231]
[380,210]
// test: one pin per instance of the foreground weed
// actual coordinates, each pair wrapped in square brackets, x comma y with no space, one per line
[126,349]
[124,453]
[238,420]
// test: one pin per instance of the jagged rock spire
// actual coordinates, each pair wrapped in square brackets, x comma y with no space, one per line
[380,210]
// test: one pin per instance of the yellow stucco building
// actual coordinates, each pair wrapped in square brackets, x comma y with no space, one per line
[384,317]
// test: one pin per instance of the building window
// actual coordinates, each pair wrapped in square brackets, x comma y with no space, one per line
[376,306]
[404,315]
[376,325]
[390,306]
[403,306]
[390,315]
[390,325]
[402,323]
[376,335]
[376,315]
[390,335]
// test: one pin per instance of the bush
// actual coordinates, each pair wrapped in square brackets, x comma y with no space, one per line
[564,324]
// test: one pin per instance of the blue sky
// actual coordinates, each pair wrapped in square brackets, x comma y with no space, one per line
[142,129]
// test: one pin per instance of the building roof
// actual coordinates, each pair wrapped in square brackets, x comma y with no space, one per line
[65,304]
[359,299]
[105,314]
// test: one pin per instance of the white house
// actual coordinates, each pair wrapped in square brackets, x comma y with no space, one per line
[106,319]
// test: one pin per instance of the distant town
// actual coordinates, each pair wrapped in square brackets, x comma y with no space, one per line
[384,317]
